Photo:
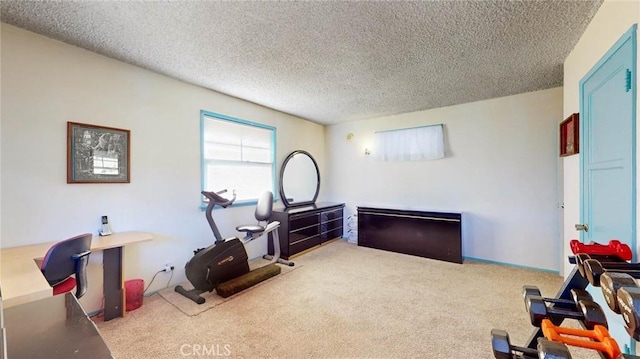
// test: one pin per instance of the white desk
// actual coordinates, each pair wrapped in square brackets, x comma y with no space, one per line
[21,280]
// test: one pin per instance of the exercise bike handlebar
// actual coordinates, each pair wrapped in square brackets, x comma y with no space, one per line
[216,199]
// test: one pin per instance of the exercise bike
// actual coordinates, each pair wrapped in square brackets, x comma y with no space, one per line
[226,259]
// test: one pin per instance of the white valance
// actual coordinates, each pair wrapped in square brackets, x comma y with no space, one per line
[410,144]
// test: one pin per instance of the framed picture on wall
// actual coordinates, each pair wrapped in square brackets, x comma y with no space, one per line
[569,136]
[97,154]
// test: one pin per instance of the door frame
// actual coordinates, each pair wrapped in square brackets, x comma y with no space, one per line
[629,35]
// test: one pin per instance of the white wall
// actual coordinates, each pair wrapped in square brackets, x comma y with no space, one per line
[46,83]
[611,21]
[500,169]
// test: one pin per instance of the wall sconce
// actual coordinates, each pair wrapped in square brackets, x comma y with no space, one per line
[367,152]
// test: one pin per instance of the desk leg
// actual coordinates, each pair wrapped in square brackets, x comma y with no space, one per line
[112,287]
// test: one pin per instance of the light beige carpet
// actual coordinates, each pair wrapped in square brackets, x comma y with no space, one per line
[190,308]
[345,301]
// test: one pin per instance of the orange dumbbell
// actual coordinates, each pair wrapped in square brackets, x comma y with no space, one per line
[597,339]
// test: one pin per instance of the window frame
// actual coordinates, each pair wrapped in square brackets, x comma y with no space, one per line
[203,162]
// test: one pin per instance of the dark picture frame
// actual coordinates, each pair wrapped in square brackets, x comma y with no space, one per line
[570,136]
[97,154]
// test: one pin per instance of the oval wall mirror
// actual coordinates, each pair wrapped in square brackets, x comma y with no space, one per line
[299,179]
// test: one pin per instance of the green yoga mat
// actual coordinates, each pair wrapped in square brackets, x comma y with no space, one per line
[245,281]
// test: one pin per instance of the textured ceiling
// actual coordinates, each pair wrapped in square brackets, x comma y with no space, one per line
[329,62]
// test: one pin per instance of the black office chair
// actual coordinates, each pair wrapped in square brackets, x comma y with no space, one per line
[67,258]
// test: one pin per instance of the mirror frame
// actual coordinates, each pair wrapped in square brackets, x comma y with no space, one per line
[283,197]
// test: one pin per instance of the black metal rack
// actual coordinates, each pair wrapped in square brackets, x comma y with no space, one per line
[574,281]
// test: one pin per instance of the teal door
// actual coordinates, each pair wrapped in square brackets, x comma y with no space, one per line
[607,158]
[607,133]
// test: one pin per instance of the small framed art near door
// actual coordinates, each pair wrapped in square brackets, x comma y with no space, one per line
[569,136]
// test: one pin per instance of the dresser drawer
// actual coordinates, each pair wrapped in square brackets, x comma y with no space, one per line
[331,234]
[297,235]
[330,215]
[304,244]
[302,221]
[330,225]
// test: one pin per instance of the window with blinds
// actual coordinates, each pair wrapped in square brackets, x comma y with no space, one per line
[237,155]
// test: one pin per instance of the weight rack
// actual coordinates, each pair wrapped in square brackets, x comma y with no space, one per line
[574,281]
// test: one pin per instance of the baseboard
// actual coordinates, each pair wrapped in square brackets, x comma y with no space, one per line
[94,313]
[511,265]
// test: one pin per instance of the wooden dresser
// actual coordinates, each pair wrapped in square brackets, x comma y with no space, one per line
[305,227]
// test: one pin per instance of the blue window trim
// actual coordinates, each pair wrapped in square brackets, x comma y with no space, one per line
[205,113]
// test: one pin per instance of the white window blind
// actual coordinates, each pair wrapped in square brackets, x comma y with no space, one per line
[237,155]
[409,144]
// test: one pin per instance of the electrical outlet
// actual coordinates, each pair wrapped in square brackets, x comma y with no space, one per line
[168,267]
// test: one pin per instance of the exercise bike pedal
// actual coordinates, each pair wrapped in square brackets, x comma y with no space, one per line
[193,294]
[279,260]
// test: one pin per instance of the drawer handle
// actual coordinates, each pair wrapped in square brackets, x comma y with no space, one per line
[409,216]
[302,240]
[301,228]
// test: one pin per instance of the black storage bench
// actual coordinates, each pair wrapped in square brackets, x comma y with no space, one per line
[436,235]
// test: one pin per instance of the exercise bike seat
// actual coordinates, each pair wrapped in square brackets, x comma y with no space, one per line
[250,229]
[262,214]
